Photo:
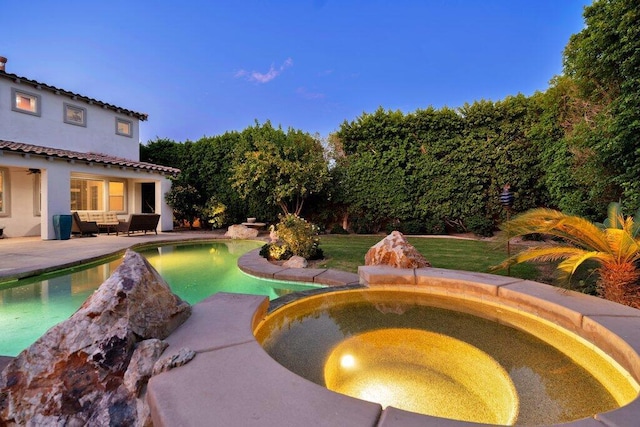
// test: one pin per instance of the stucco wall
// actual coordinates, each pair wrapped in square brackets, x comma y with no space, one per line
[55,189]
[50,130]
[20,218]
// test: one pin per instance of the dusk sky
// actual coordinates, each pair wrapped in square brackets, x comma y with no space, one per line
[202,68]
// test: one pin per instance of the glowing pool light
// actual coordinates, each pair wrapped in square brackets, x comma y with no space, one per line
[424,372]
[347,361]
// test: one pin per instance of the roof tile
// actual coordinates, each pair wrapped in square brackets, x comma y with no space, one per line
[19,79]
[18,147]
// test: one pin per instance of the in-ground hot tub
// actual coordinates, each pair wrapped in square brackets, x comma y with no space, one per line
[448,348]
[233,381]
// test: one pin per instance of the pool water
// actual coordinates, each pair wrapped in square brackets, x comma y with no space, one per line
[194,271]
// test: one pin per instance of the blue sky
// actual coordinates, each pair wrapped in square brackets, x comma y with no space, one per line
[201,68]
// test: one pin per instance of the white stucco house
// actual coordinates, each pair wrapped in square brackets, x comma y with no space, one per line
[61,152]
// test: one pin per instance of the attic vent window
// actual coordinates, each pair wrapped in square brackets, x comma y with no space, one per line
[25,102]
[75,115]
[124,127]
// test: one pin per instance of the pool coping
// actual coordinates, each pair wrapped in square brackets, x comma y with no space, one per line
[234,381]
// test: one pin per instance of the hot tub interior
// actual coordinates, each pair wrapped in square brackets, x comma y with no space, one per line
[434,355]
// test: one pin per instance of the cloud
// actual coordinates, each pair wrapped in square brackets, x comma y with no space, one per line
[257,77]
[302,91]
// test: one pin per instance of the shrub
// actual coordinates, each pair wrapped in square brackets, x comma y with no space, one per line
[275,251]
[337,229]
[214,213]
[300,237]
[361,225]
[417,226]
[434,226]
[480,225]
[185,201]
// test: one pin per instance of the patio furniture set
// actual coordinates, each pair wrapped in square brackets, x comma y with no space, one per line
[89,223]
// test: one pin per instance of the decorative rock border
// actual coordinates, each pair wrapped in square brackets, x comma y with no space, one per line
[234,381]
[252,263]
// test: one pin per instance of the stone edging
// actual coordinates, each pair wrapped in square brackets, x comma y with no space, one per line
[252,263]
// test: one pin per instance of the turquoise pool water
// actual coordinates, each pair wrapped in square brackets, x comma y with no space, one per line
[194,271]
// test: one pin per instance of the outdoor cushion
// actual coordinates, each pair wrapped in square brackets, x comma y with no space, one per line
[99,217]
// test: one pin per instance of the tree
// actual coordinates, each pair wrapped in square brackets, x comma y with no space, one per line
[185,201]
[440,166]
[604,60]
[615,247]
[162,151]
[279,168]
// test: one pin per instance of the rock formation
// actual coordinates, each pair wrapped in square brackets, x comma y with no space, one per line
[295,262]
[92,368]
[239,231]
[396,251]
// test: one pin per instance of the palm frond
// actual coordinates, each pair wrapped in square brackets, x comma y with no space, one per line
[547,254]
[624,247]
[540,254]
[614,215]
[636,224]
[574,229]
[571,264]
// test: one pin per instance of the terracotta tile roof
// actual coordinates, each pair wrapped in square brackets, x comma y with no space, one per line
[36,84]
[18,147]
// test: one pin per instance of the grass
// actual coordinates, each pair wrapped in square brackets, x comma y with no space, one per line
[346,253]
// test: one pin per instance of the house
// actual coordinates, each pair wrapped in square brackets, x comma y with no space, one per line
[61,152]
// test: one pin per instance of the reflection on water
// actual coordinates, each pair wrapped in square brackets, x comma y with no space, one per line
[552,388]
[194,271]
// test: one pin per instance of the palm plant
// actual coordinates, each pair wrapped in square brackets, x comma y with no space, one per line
[614,245]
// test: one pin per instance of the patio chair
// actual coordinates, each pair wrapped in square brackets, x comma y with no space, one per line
[83,228]
[139,222]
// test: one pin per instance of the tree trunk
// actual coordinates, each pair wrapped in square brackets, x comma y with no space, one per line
[345,221]
[619,283]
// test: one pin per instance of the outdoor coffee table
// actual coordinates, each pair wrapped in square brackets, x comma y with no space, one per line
[109,226]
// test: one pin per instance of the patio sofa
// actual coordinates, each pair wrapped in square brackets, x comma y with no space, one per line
[139,222]
[106,220]
[83,228]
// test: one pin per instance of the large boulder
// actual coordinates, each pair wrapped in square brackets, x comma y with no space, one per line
[239,231]
[396,251]
[92,368]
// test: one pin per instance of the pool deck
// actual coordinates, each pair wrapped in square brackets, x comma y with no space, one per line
[232,381]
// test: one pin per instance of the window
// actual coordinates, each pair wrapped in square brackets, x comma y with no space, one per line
[74,115]
[97,195]
[3,192]
[25,102]
[124,127]
[87,195]
[116,196]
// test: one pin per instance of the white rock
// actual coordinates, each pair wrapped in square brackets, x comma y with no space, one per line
[295,262]
[239,231]
[396,251]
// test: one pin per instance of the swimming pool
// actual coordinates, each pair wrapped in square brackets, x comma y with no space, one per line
[193,270]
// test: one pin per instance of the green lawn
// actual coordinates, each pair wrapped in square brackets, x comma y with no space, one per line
[346,252]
